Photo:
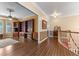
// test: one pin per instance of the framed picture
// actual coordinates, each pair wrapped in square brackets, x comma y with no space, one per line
[44,24]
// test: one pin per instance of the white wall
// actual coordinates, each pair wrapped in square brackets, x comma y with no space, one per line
[66,23]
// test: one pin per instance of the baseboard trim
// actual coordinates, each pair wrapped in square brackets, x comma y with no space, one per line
[43,40]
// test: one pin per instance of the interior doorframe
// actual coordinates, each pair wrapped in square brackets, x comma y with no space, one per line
[32,25]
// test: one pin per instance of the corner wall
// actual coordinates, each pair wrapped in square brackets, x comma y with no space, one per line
[42,32]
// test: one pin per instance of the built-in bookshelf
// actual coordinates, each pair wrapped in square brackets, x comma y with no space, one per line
[20,26]
[23,28]
[15,26]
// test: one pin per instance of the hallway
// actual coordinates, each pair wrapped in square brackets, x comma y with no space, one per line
[30,48]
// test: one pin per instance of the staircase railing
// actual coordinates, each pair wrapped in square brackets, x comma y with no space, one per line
[69,40]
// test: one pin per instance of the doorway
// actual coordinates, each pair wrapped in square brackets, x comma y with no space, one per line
[29,29]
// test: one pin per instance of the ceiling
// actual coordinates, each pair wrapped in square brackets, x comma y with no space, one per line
[65,8]
[19,11]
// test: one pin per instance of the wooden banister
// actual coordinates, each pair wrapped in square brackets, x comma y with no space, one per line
[71,36]
[70,32]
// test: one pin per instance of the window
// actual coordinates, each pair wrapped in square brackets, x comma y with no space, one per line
[8,26]
[1,26]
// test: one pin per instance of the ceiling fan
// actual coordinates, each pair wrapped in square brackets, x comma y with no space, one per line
[10,11]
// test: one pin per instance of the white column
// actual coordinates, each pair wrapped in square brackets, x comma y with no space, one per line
[39,29]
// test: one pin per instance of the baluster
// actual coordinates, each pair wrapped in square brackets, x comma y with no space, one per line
[75,50]
[78,51]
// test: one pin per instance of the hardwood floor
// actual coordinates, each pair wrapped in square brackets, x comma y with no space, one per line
[30,48]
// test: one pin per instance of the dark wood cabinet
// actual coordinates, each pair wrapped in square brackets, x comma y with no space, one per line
[16,35]
[55,34]
[1,36]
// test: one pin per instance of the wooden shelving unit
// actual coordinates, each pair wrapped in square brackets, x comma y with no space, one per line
[21,29]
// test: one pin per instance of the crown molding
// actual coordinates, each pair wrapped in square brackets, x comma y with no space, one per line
[40,9]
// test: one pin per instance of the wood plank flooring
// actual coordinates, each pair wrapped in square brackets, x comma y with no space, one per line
[50,47]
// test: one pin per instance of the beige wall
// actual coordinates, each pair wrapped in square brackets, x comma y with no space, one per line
[4,20]
[35,21]
[43,35]
[15,20]
[66,23]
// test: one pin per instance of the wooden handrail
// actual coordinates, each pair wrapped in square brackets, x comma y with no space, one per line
[70,32]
